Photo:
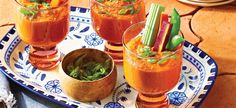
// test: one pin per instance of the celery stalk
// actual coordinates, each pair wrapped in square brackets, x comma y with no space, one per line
[152,25]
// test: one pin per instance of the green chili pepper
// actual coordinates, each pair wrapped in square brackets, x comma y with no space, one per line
[175,20]
[175,41]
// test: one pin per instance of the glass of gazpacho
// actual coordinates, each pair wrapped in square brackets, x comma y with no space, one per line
[150,66]
[110,18]
[42,24]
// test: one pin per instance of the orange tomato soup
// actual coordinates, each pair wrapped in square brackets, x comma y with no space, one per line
[147,77]
[47,28]
[111,25]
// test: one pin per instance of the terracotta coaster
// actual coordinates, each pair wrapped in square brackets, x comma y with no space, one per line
[222,95]
[217,27]
[183,9]
[234,3]
[185,29]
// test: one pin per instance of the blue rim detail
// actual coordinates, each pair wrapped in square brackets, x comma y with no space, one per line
[197,104]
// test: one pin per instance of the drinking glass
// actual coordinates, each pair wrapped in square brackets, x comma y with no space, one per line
[151,80]
[110,23]
[42,29]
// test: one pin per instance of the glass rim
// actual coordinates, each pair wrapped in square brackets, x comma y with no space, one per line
[100,4]
[63,4]
[133,53]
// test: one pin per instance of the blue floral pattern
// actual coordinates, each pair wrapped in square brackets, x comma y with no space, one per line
[27,49]
[53,86]
[93,39]
[24,67]
[113,105]
[177,98]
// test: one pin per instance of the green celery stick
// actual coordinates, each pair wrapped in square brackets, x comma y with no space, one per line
[152,25]
[144,37]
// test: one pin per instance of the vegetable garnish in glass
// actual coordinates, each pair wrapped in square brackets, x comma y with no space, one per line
[110,18]
[42,24]
[153,57]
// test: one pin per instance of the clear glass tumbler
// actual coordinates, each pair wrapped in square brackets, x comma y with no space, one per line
[110,18]
[151,80]
[42,25]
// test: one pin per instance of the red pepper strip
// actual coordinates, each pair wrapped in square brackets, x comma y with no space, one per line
[162,37]
[164,18]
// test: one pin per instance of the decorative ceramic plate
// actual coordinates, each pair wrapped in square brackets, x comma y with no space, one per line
[205,3]
[198,71]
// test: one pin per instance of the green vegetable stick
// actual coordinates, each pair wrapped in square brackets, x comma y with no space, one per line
[175,20]
[144,37]
[152,25]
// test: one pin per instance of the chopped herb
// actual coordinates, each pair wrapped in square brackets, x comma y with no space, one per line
[163,60]
[167,57]
[28,12]
[100,1]
[152,60]
[104,12]
[113,0]
[173,56]
[166,53]
[132,10]
[88,71]
[144,55]
[129,9]
[122,11]
[45,4]
[146,52]
[74,73]
[129,0]
[37,1]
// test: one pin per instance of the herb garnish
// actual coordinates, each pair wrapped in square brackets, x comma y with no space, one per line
[100,1]
[129,0]
[152,60]
[88,71]
[167,56]
[45,4]
[147,52]
[104,12]
[38,1]
[30,10]
[129,9]
[113,0]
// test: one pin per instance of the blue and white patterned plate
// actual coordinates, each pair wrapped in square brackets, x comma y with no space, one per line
[198,72]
